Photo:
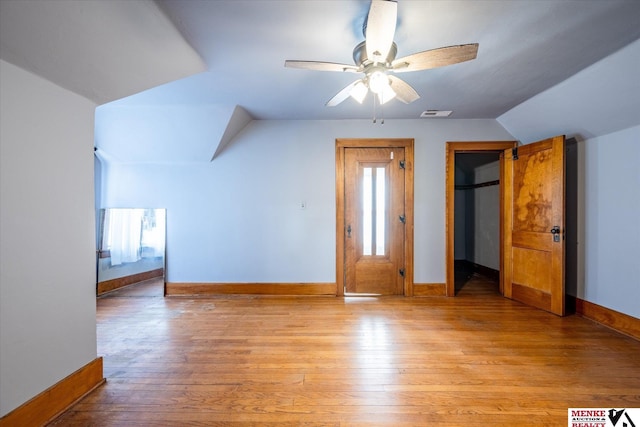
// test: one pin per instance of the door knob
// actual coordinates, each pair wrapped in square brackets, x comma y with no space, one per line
[556,233]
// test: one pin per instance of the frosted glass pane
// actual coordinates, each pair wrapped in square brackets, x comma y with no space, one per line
[380,210]
[367,207]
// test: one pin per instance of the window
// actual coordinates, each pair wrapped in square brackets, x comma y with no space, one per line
[374,202]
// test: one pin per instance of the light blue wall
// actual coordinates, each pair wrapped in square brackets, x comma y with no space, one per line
[610,221]
[47,268]
[237,219]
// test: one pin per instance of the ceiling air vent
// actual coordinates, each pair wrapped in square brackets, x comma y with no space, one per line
[435,113]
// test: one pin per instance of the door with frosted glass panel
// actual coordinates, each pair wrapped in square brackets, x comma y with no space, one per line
[375,220]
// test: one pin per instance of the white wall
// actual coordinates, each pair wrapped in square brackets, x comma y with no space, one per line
[237,219]
[47,249]
[477,217]
[483,212]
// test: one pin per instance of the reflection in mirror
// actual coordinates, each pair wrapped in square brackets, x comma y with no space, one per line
[131,247]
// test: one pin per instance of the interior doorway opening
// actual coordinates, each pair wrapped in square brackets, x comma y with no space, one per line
[490,149]
[477,222]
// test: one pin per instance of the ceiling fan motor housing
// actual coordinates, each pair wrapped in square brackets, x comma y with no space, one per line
[360,54]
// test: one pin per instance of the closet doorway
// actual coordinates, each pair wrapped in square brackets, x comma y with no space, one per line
[473,214]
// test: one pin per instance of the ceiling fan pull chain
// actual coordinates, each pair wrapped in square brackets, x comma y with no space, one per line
[374,108]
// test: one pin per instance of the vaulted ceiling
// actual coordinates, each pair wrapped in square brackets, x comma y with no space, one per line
[228,55]
[525,48]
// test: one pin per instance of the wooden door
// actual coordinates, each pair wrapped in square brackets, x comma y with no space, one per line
[533,235]
[375,220]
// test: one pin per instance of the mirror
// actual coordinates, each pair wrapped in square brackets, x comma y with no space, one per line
[131,247]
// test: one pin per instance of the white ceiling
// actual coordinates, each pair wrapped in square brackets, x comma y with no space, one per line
[525,48]
[144,61]
[102,50]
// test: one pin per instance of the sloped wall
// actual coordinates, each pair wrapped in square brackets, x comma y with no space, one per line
[599,107]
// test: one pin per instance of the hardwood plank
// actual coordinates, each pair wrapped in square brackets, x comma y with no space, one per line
[247,360]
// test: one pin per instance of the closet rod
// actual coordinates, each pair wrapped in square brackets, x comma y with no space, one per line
[481,184]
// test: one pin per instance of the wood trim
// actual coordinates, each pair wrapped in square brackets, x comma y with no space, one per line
[340,225]
[409,213]
[120,282]
[429,289]
[374,143]
[408,145]
[450,170]
[506,222]
[620,322]
[203,289]
[104,254]
[558,264]
[55,400]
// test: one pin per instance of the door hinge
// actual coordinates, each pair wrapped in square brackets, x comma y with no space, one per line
[401,271]
[402,164]
[403,219]
[514,153]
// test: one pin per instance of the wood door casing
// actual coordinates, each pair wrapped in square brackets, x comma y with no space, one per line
[452,149]
[372,265]
[533,268]
[341,145]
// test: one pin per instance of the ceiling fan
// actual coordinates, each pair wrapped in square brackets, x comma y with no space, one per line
[376,58]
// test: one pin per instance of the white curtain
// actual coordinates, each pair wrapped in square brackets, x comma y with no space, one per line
[153,230]
[123,231]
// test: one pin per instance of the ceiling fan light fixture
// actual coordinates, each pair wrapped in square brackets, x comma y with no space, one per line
[359,91]
[380,85]
[378,82]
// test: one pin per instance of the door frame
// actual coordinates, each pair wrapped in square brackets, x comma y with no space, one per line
[341,145]
[451,150]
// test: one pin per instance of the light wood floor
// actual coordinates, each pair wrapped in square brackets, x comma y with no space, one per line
[474,360]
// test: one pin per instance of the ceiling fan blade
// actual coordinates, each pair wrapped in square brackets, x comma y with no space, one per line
[404,91]
[435,58]
[321,66]
[381,27]
[342,95]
